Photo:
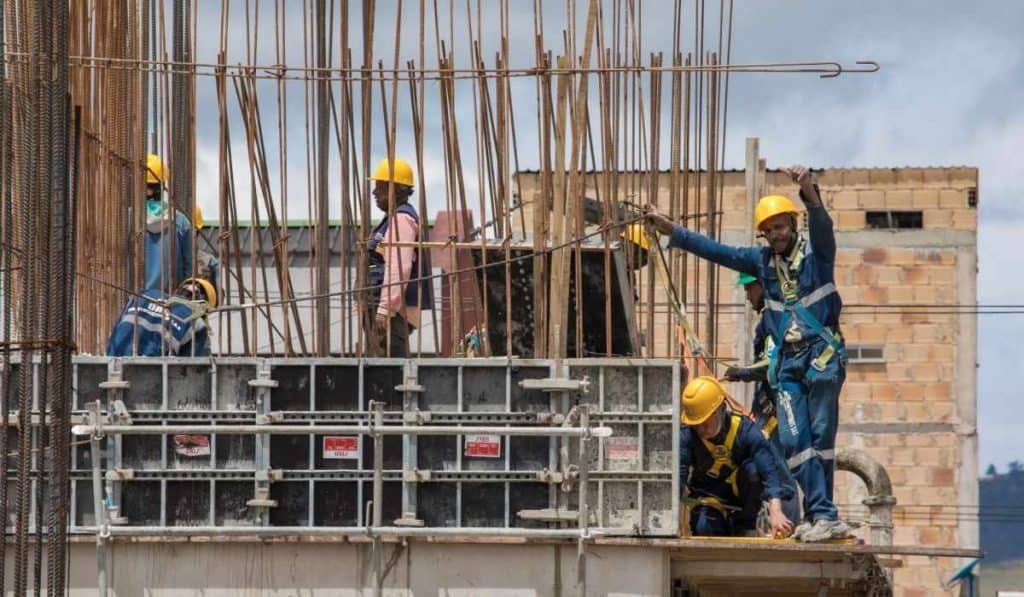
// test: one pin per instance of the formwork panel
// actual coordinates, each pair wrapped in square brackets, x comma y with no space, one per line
[326,479]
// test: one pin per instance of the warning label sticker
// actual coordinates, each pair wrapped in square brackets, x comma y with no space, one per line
[341,447]
[483,446]
[192,445]
[621,448]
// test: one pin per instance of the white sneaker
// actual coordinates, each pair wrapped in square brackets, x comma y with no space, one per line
[800,529]
[823,530]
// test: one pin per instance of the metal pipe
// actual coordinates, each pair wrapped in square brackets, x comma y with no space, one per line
[383,531]
[99,512]
[342,429]
[378,494]
[880,499]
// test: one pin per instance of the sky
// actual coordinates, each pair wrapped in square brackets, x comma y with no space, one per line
[950,92]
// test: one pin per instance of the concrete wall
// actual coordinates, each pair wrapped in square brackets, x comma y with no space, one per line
[916,411]
[342,569]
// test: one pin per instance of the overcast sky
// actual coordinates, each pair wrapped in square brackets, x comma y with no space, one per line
[950,92]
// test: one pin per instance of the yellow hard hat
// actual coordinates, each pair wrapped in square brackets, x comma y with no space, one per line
[772,205]
[156,171]
[402,172]
[208,289]
[636,234]
[197,219]
[701,398]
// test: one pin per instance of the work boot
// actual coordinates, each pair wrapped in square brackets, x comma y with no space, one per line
[823,530]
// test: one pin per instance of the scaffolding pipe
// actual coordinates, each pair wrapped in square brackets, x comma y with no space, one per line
[342,430]
[367,531]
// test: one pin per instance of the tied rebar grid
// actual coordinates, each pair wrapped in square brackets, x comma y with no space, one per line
[38,259]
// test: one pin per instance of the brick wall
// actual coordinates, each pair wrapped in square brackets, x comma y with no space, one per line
[905,411]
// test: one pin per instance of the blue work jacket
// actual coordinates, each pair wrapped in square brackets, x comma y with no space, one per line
[163,330]
[813,270]
[750,450]
[159,258]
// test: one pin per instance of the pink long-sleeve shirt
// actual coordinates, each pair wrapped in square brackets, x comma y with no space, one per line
[398,268]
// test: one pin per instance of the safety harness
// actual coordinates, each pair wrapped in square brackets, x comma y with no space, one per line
[722,454]
[795,305]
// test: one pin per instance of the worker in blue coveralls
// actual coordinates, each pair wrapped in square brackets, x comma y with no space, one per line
[727,466]
[765,401]
[807,362]
[168,245]
[165,325]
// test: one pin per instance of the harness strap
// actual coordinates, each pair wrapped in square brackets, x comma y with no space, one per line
[722,453]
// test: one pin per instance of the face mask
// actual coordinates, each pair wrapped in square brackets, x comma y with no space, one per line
[154,207]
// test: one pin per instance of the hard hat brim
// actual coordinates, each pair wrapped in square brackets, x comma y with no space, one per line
[697,421]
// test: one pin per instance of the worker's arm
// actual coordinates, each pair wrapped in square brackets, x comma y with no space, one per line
[819,223]
[741,259]
[397,264]
[776,486]
[184,229]
[768,464]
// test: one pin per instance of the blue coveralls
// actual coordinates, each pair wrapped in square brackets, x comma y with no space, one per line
[162,332]
[739,477]
[158,256]
[807,366]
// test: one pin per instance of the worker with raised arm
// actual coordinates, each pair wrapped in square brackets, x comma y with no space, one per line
[168,241]
[727,467]
[807,362]
[395,298]
[155,323]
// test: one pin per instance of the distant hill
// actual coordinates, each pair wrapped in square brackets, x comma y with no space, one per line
[1002,514]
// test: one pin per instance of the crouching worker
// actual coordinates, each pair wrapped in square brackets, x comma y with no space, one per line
[164,325]
[727,466]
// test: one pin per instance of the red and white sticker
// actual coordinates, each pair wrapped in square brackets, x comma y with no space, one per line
[483,446]
[621,448]
[192,445]
[341,447]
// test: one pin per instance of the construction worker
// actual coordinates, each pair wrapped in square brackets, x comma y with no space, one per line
[807,362]
[165,325]
[207,266]
[727,466]
[395,304]
[168,248]
[764,404]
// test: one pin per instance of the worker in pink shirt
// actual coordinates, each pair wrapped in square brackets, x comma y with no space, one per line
[399,276]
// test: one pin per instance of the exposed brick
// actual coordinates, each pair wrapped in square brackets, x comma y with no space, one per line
[901,295]
[882,176]
[963,176]
[926,295]
[857,391]
[927,255]
[941,476]
[883,391]
[899,371]
[929,535]
[915,353]
[964,219]
[849,220]
[875,295]
[871,333]
[889,275]
[924,198]
[899,333]
[942,275]
[942,390]
[914,176]
[894,412]
[936,176]
[925,372]
[915,274]
[871,199]
[844,200]
[854,177]
[941,353]
[864,274]
[911,392]
[952,199]
[917,476]
[927,456]
[874,255]
[898,199]
[938,218]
